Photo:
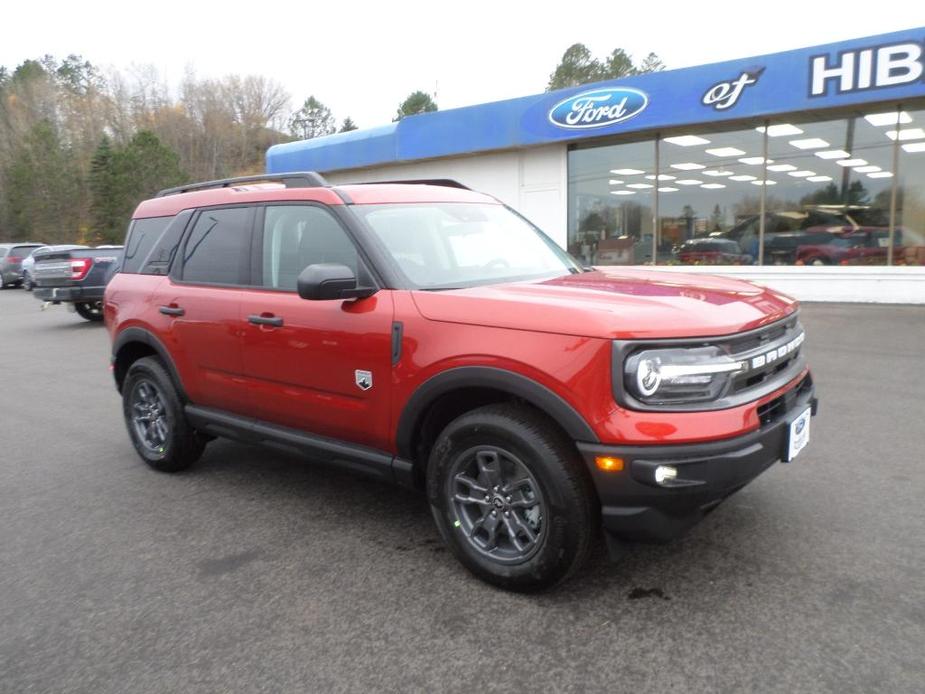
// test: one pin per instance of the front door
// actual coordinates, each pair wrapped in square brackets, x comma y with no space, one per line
[323,367]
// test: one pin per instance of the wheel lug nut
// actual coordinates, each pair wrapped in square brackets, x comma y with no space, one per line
[494,514]
[507,513]
[508,499]
[487,498]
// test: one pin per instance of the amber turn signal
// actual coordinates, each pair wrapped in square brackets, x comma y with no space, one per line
[609,464]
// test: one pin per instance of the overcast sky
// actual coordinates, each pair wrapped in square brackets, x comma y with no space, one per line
[362,58]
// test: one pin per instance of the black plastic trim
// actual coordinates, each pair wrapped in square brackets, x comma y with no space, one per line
[363,459]
[295,179]
[398,329]
[509,382]
[145,337]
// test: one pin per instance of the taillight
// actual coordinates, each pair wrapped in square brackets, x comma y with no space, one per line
[13,259]
[80,267]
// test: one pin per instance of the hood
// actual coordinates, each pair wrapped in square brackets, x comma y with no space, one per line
[614,304]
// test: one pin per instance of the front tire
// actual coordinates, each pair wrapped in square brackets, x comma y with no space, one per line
[92,311]
[154,416]
[511,498]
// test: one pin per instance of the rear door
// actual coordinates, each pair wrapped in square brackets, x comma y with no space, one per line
[325,367]
[199,307]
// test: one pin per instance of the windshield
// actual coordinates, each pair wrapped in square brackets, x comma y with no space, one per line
[452,245]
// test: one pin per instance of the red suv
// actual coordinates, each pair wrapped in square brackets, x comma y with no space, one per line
[432,337]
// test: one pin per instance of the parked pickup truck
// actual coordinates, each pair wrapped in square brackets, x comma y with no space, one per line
[78,277]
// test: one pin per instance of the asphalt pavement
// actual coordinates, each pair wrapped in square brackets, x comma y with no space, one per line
[258,572]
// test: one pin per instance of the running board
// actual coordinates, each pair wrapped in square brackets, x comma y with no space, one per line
[369,461]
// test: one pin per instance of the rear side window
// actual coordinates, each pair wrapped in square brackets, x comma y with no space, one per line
[142,236]
[22,251]
[217,250]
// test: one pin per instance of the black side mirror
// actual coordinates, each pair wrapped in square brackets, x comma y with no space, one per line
[327,281]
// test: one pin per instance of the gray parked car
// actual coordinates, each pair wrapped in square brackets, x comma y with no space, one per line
[11,257]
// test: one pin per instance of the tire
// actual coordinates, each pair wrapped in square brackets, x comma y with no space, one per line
[472,488]
[155,420]
[92,311]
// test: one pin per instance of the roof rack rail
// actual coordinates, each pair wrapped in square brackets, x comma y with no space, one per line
[446,182]
[296,179]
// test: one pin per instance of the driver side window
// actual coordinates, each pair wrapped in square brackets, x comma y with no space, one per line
[296,236]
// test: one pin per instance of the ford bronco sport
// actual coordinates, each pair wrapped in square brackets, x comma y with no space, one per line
[430,336]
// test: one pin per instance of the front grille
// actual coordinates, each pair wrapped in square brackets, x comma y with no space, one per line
[774,409]
[752,347]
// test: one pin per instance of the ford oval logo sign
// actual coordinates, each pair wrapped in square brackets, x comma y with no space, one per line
[598,108]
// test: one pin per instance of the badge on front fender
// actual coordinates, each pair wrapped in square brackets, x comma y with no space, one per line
[364,379]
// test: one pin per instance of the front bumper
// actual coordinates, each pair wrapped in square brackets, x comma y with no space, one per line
[69,294]
[635,507]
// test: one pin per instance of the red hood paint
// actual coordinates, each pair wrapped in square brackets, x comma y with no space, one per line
[613,304]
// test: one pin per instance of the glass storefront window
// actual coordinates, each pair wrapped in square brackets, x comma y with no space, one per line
[828,190]
[909,241]
[611,198]
[828,193]
[709,197]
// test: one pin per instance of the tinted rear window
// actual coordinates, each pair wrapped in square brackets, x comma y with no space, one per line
[142,236]
[217,250]
[22,251]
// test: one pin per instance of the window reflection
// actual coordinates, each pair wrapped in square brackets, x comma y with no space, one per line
[909,242]
[827,188]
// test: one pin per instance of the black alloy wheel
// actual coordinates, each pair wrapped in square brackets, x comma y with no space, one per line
[155,419]
[498,503]
[511,497]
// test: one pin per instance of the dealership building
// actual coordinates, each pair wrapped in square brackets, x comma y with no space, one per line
[804,170]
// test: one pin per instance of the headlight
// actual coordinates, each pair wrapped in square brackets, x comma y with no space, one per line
[680,375]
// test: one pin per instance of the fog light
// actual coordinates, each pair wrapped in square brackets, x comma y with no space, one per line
[609,464]
[665,473]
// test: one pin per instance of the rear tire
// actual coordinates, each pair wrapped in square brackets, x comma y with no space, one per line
[511,498]
[155,419]
[92,311]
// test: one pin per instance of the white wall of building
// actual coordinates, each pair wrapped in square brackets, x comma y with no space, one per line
[532,181]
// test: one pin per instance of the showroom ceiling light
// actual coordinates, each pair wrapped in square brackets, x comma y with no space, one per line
[717,172]
[832,154]
[640,186]
[764,183]
[667,189]
[626,172]
[660,177]
[851,162]
[742,177]
[623,192]
[713,186]
[866,169]
[780,130]
[906,134]
[888,118]
[801,174]
[819,179]
[782,167]
[756,160]
[689,182]
[725,152]
[615,182]
[688,166]
[809,143]
[915,147]
[686,140]
[880,174]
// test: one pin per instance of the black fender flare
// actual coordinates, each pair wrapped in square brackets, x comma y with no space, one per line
[146,337]
[503,380]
